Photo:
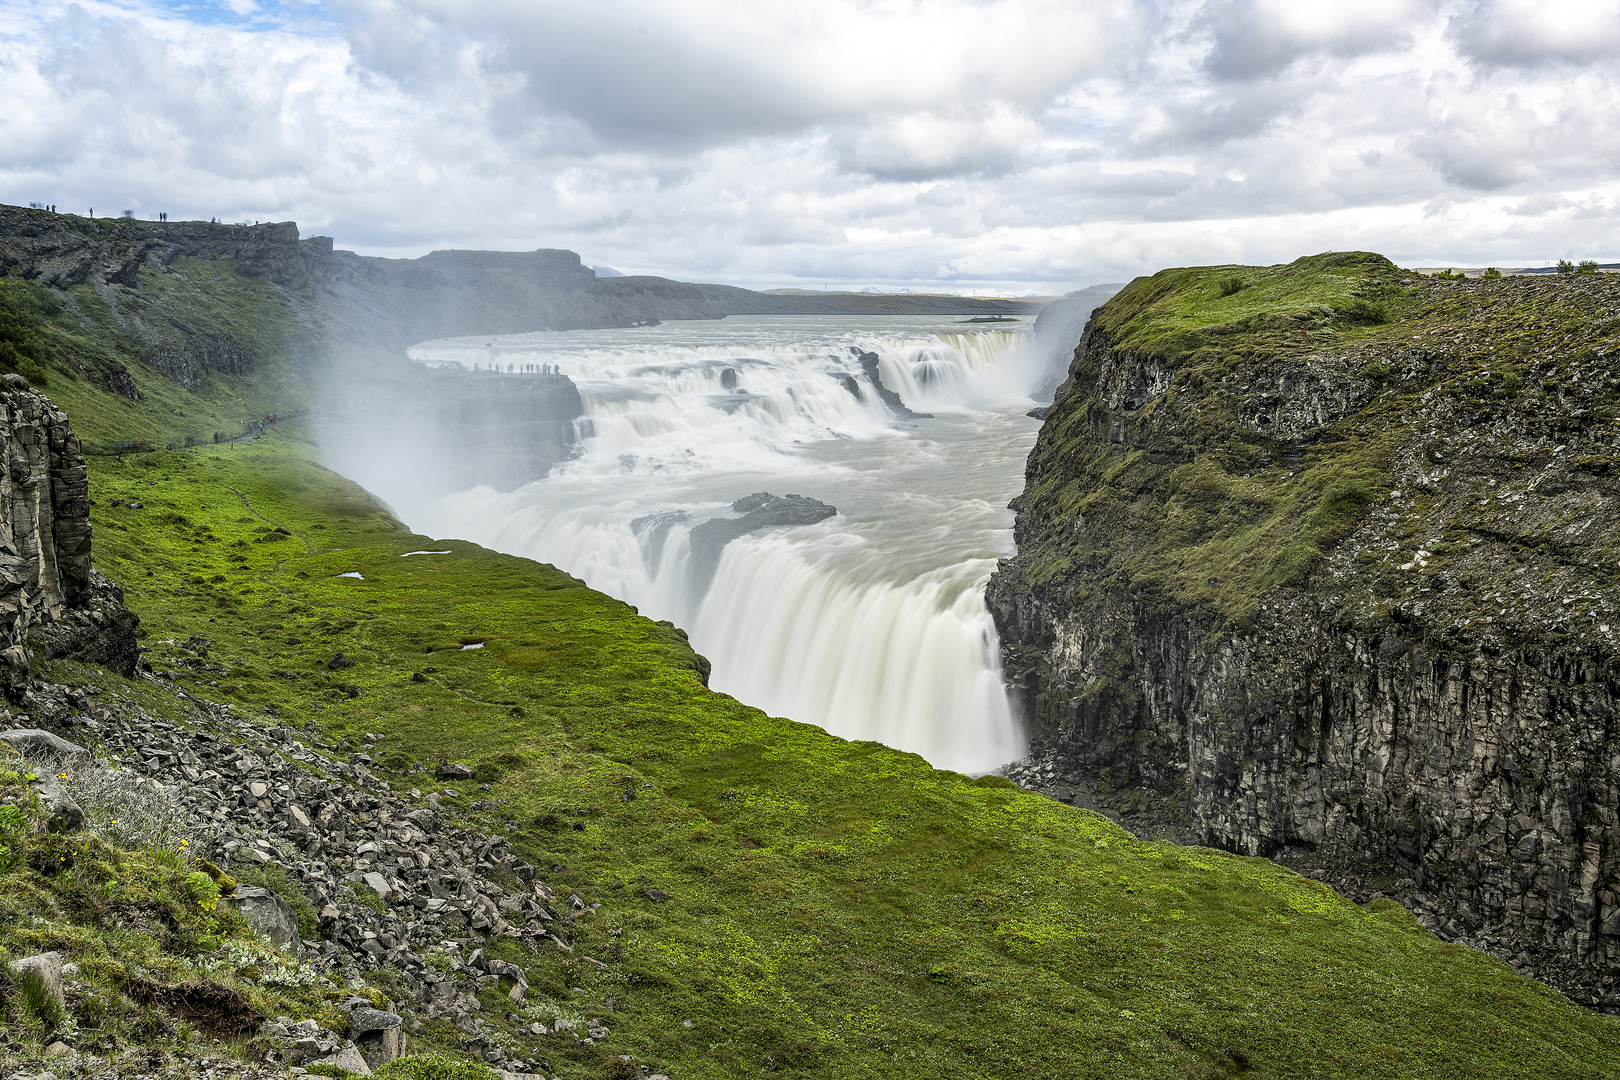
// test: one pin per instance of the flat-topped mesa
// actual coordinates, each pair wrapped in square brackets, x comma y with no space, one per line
[61,250]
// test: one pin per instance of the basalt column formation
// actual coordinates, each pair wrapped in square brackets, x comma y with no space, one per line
[1317,562]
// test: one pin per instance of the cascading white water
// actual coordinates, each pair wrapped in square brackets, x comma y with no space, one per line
[871,624]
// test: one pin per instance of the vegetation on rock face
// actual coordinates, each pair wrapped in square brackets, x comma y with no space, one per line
[1214,445]
[1324,567]
[140,924]
[812,906]
[95,353]
[23,310]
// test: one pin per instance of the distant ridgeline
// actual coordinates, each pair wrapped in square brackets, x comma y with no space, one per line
[185,332]
[1318,562]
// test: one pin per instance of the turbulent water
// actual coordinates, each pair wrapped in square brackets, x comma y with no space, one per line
[872,623]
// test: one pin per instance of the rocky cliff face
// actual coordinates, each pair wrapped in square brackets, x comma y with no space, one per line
[45,527]
[1317,562]
[45,577]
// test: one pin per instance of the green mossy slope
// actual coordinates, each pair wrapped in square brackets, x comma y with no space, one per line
[79,345]
[833,908]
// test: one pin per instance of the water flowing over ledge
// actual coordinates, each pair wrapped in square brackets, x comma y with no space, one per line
[871,624]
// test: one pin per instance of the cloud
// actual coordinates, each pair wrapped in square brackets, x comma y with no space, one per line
[1532,33]
[1251,39]
[928,145]
[686,75]
[931,143]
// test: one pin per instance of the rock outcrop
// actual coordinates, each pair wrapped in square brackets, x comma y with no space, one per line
[1338,590]
[187,361]
[100,630]
[50,597]
[874,376]
[761,510]
[44,513]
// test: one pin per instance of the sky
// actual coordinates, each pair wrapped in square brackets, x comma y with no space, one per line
[993,146]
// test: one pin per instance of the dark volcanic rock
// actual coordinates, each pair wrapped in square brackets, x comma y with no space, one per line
[890,399]
[102,631]
[1421,703]
[186,362]
[761,510]
[46,583]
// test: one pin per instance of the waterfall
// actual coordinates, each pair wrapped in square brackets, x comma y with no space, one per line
[870,624]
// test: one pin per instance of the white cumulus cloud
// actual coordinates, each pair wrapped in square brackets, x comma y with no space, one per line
[967,144]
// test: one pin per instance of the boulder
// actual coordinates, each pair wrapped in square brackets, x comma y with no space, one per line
[451,770]
[32,742]
[63,815]
[14,658]
[377,884]
[377,1035]
[303,1041]
[348,1058]
[267,913]
[48,968]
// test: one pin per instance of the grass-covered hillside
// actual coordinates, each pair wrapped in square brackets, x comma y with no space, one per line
[773,900]
[108,356]
[1229,428]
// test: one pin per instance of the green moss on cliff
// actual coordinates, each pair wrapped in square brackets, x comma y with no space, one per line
[1217,442]
[1196,314]
[24,307]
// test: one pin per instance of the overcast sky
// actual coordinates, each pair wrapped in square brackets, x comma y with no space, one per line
[1011,145]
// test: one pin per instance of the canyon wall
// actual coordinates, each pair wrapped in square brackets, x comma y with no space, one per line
[45,525]
[1317,562]
[50,598]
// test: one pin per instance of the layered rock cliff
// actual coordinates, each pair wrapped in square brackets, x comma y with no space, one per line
[45,523]
[46,582]
[1317,562]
